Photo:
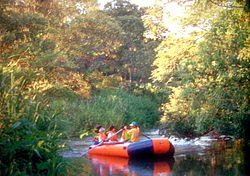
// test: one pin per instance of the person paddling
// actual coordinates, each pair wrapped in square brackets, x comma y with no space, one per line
[111,134]
[101,136]
[96,131]
[125,136]
[134,132]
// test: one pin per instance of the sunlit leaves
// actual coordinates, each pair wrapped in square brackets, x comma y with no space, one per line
[154,22]
[172,53]
[209,73]
[96,34]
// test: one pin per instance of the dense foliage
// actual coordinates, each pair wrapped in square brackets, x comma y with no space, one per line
[67,66]
[208,72]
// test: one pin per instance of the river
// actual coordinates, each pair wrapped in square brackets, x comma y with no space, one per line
[202,156]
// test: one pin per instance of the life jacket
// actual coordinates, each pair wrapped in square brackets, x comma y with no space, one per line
[96,138]
[135,134]
[114,137]
[101,136]
[125,136]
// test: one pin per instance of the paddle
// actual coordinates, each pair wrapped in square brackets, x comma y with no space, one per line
[145,136]
[102,142]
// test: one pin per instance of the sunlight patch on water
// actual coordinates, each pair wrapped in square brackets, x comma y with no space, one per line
[202,141]
[199,141]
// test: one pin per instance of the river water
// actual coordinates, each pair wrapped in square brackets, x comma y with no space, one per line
[202,156]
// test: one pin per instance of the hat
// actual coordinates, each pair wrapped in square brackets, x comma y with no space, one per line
[98,127]
[133,124]
[101,129]
[111,128]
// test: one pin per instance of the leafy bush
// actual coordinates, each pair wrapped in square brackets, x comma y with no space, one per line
[26,150]
[181,128]
[157,93]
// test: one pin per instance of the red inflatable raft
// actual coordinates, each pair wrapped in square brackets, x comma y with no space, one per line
[146,148]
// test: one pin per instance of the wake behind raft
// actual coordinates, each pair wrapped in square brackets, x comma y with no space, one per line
[148,148]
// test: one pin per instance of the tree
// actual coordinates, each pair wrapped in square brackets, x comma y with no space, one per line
[133,51]
[154,22]
[210,81]
[92,35]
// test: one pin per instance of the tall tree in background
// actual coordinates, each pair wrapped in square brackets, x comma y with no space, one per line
[135,55]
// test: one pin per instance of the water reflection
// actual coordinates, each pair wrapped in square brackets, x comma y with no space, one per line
[110,166]
[222,159]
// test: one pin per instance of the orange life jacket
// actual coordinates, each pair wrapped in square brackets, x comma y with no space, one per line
[114,137]
[101,136]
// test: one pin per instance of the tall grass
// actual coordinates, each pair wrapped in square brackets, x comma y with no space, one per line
[108,107]
[28,133]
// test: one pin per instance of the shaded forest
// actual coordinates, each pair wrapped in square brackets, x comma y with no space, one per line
[66,66]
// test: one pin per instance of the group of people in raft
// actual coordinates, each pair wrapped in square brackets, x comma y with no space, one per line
[128,135]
